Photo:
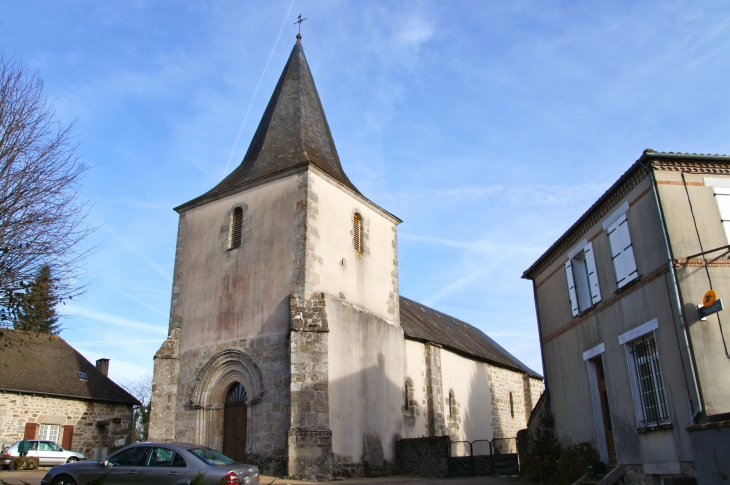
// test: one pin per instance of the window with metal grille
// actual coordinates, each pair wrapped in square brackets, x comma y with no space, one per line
[650,381]
[357,232]
[49,432]
[236,227]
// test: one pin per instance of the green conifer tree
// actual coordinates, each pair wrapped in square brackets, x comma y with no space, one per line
[37,308]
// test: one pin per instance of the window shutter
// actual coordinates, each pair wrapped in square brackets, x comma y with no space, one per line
[622,251]
[722,195]
[30,431]
[593,285]
[571,289]
[68,437]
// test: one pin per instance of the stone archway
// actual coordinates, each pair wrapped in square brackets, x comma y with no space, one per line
[217,377]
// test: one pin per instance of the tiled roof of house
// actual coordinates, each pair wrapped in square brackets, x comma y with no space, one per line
[292,132]
[46,364]
[425,324]
[647,156]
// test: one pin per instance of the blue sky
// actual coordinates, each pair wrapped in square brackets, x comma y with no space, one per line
[487,126]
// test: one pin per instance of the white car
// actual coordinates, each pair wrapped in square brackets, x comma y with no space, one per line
[47,452]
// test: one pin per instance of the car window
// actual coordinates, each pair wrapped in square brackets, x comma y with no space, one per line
[130,457]
[212,457]
[25,446]
[165,457]
[178,461]
[45,446]
[55,447]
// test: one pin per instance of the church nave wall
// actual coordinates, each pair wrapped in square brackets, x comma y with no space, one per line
[469,416]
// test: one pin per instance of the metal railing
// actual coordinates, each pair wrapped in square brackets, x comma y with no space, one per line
[496,457]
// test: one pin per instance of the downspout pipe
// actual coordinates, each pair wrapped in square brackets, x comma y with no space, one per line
[539,334]
[675,293]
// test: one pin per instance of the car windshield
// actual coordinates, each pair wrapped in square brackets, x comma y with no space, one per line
[212,457]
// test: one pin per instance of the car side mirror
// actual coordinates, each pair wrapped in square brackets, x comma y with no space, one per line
[104,463]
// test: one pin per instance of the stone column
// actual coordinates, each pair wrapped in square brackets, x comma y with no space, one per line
[164,389]
[434,390]
[310,437]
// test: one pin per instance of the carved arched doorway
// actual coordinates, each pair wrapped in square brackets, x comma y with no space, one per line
[235,421]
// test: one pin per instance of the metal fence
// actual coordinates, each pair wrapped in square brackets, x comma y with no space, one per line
[483,458]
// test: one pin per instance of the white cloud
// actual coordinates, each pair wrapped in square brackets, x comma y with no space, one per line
[413,32]
[101,317]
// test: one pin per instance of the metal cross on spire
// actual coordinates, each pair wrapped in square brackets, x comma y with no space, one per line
[300,24]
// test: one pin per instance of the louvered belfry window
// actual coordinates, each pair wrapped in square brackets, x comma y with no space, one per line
[357,232]
[237,220]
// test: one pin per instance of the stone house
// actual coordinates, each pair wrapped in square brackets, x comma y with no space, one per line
[50,391]
[290,345]
[630,364]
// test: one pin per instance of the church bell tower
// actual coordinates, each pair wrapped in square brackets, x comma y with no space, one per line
[284,327]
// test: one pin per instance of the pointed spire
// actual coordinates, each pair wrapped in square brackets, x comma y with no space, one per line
[293,131]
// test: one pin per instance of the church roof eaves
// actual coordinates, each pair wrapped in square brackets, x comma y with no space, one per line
[204,199]
[424,324]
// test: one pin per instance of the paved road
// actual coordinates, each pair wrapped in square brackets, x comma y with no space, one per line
[34,478]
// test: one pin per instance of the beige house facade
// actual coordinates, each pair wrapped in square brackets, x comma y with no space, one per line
[630,364]
[290,345]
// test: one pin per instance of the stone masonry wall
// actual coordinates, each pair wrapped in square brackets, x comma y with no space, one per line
[164,389]
[502,382]
[18,409]
[310,437]
[423,457]
[268,419]
[434,391]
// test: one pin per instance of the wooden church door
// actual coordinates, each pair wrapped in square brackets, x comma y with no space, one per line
[234,423]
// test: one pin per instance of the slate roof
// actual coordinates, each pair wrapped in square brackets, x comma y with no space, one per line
[46,364]
[647,156]
[425,324]
[292,132]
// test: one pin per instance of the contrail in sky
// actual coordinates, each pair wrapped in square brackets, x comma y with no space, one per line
[228,163]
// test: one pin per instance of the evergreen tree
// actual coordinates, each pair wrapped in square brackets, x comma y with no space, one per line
[37,308]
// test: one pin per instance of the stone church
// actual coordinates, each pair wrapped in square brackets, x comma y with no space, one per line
[290,346]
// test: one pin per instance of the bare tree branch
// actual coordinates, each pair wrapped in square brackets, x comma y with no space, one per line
[42,219]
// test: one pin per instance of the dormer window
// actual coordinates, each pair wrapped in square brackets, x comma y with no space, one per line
[236,227]
[357,232]
[83,376]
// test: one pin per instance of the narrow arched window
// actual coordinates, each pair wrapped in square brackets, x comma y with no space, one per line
[406,392]
[452,405]
[511,405]
[357,232]
[236,227]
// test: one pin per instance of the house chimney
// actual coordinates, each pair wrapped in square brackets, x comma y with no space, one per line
[103,366]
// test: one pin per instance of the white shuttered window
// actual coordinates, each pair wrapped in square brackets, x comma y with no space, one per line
[622,251]
[583,288]
[722,195]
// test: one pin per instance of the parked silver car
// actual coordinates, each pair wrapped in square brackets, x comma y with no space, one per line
[158,464]
[47,452]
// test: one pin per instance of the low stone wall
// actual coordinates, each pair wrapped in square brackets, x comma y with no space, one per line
[423,457]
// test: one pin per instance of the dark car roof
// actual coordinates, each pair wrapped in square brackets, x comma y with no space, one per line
[39,363]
